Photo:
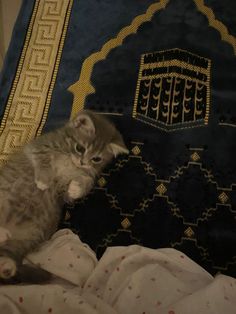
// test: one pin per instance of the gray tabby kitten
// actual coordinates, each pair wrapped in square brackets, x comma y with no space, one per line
[57,167]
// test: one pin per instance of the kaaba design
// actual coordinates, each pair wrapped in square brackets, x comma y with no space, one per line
[173,89]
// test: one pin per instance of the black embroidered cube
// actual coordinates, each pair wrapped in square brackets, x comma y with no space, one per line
[173,89]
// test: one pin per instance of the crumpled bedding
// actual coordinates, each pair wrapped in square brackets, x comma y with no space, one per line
[127,280]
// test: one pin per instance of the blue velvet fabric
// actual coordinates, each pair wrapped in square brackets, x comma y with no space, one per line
[13,54]
[178,185]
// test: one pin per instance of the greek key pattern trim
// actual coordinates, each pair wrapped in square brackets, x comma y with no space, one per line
[31,92]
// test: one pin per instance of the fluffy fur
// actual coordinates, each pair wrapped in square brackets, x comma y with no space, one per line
[57,167]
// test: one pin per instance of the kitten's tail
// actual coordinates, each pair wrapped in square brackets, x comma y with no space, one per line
[12,272]
[32,274]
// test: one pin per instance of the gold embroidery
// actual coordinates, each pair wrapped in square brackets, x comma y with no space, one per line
[108,240]
[30,96]
[137,143]
[207,212]
[218,25]
[102,182]
[162,186]
[223,197]
[125,223]
[136,150]
[67,216]
[189,232]
[19,68]
[164,129]
[173,89]
[56,68]
[161,189]
[203,251]
[227,124]
[83,86]
[152,64]
[195,157]
[196,149]
[110,113]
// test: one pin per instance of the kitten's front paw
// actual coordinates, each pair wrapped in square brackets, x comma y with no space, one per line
[7,267]
[75,191]
[5,234]
[41,185]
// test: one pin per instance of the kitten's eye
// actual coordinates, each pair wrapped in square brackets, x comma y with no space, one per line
[79,149]
[96,160]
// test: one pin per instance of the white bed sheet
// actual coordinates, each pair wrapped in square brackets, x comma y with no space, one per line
[126,280]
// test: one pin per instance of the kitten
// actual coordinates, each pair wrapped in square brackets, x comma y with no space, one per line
[58,167]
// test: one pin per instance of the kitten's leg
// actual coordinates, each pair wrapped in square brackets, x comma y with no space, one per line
[12,253]
[80,187]
[7,267]
[42,170]
[7,264]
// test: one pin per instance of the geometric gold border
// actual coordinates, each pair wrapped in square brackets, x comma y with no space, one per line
[30,96]
[56,68]
[20,65]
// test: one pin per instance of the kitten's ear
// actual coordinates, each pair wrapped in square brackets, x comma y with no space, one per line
[117,147]
[84,122]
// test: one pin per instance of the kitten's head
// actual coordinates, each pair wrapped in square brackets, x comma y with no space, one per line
[94,141]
